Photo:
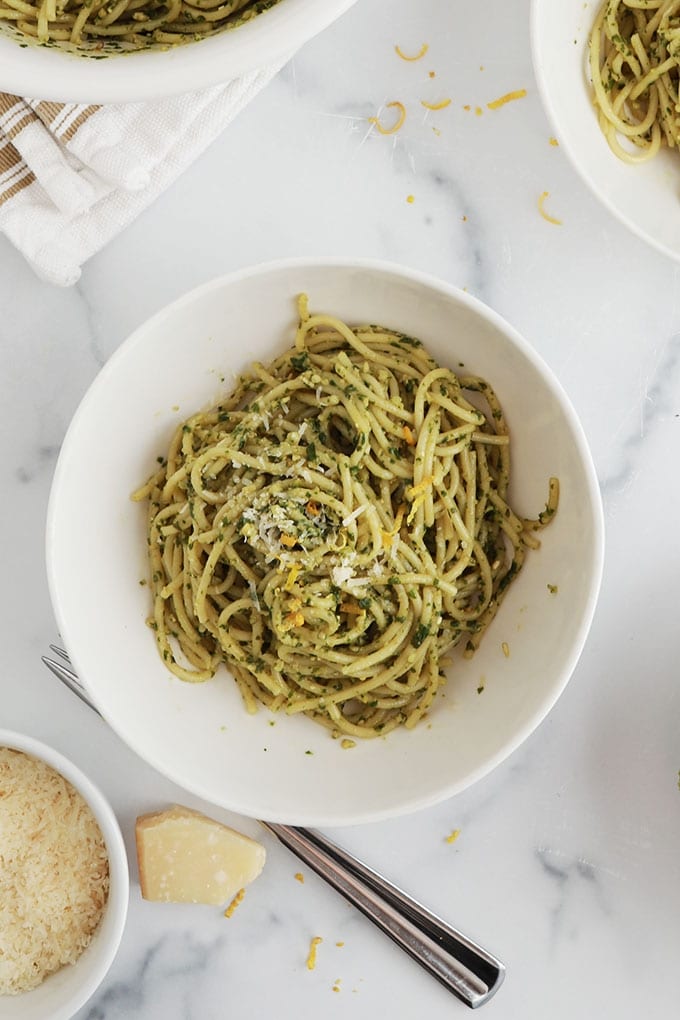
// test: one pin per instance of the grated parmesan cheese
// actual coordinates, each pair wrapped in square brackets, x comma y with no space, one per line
[54,872]
[341,575]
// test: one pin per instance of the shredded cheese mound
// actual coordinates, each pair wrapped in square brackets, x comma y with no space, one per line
[544,214]
[54,872]
[397,124]
[421,53]
[509,97]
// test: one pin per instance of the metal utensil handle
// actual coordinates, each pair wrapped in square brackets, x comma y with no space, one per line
[467,970]
[459,964]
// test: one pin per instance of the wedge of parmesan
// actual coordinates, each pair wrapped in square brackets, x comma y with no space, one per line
[186,857]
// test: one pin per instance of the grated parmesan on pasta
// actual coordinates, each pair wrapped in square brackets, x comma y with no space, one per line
[54,872]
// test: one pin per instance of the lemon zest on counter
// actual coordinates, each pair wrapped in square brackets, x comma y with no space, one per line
[238,898]
[398,124]
[435,106]
[453,836]
[311,958]
[553,141]
[544,214]
[421,53]
[509,97]
[299,877]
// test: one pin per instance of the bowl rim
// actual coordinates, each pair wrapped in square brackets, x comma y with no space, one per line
[269,40]
[565,143]
[118,900]
[429,282]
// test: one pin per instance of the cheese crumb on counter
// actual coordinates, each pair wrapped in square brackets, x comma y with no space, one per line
[186,857]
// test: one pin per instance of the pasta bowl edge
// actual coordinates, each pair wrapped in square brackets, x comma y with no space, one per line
[279,767]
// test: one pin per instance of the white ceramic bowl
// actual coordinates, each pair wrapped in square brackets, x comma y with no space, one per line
[199,734]
[64,992]
[646,198]
[49,73]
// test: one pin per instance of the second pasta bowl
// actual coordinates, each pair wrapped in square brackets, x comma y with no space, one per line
[311,555]
[644,196]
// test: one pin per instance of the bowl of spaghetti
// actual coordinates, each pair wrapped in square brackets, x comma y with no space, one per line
[609,72]
[344,546]
[95,51]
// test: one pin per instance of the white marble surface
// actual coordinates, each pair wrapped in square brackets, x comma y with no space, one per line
[567,865]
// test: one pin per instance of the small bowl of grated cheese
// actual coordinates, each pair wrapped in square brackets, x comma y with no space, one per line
[64,883]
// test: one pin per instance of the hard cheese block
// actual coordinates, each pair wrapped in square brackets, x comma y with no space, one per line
[186,857]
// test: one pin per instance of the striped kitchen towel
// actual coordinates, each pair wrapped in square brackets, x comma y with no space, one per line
[72,176]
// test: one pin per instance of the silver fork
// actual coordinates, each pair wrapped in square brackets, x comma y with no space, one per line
[463,967]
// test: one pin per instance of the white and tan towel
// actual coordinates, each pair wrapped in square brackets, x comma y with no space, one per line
[72,176]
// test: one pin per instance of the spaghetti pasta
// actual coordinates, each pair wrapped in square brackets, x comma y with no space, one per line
[334,526]
[635,72]
[103,26]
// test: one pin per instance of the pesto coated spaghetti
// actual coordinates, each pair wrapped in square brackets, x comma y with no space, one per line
[635,70]
[105,25]
[334,526]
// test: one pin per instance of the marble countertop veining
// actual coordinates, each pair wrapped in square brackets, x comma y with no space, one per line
[567,864]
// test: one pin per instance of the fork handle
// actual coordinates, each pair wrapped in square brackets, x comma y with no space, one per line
[467,970]
[463,967]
